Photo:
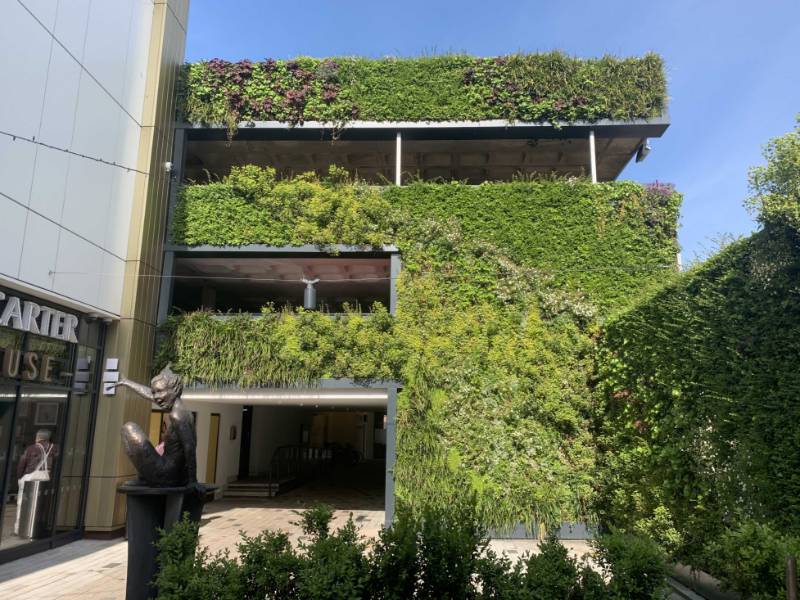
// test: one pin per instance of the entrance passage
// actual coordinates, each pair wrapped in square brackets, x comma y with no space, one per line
[307,456]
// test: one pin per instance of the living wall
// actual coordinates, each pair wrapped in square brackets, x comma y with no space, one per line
[494,334]
[699,435]
[525,87]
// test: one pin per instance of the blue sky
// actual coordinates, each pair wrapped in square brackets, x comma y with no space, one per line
[732,67]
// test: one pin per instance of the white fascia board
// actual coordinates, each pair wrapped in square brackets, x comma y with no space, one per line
[297,397]
[490,123]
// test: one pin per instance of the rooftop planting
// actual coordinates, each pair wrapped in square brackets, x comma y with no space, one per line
[551,87]
[502,289]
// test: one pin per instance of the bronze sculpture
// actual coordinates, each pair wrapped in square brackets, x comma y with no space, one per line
[177,466]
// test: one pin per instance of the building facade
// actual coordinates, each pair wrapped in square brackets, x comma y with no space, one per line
[224,262]
[86,125]
[96,253]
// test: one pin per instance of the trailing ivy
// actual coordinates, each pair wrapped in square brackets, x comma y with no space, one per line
[526,87]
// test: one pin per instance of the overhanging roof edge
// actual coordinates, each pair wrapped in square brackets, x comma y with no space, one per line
[662,120]
[497,128]
[282,250]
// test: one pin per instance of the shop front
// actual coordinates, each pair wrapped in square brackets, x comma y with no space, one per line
[49,358]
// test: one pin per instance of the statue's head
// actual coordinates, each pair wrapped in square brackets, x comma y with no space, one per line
[167,387]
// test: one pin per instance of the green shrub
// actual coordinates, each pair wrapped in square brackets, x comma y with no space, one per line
[751,560]
[333,566]
[635,565]
[188,573]
[268,566]
[438,554]
[434,554]
[551,573]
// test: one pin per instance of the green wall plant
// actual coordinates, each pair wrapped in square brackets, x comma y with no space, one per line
[525,87]
[502,289]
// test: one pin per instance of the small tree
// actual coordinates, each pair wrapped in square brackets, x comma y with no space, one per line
[775,187]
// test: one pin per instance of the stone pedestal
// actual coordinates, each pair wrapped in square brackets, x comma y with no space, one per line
[151,508]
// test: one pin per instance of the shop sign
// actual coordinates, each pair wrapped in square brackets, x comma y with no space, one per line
[31,366]
[29,316]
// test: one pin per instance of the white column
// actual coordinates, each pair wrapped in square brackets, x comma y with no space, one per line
[398,156]
[592,157]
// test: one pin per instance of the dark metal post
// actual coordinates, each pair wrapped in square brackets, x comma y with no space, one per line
[151,509]
[791,578]
[391,452]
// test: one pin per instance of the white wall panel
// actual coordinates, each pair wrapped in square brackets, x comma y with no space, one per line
[71,22]
[118,222]
[96,122]
[89,186]
[16,167]
[12,232]
[49,181]
[78,267]
[106,43]
[136,65]
[127,142]
[27,45]
[44,10]
[39,251]
[61,95]
[74,74]
[110,285]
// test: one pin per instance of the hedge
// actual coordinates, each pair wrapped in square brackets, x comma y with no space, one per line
[494,352]
[700,387]
[544,87]
[443,554]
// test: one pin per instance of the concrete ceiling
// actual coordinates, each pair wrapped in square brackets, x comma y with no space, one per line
[469,160]
[259,280]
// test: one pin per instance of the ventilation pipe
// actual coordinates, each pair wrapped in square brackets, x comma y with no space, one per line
[310,294]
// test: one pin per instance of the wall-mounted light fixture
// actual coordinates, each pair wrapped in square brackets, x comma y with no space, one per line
[642,151]
[310,294]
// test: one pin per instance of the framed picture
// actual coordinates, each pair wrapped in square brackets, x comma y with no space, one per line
[46,413]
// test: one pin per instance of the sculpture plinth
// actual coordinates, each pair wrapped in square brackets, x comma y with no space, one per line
[167,486]
[150,509]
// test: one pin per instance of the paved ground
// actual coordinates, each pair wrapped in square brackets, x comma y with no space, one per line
[95,570]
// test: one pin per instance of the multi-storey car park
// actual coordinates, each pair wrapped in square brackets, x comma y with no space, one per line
[535,144]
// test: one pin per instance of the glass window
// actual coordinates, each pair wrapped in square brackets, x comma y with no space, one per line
[76,445]
[35,448]
[10,348]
